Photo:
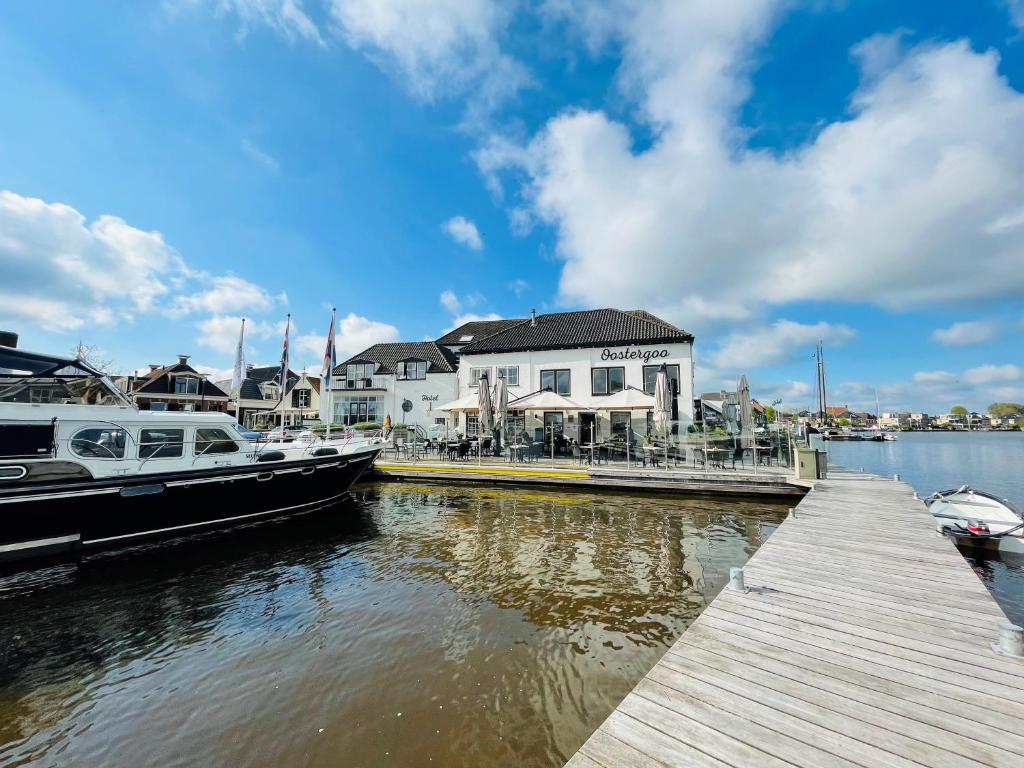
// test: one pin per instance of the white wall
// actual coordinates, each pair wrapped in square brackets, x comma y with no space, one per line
[424,394]
[580,362]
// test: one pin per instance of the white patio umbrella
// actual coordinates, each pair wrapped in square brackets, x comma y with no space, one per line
[465,403]
[546,401]
[662,401]
[629,399]
[500,400]
[746,414]
[484,405]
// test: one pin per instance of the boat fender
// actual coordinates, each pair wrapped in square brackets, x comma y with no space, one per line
[271,456]
[325,452]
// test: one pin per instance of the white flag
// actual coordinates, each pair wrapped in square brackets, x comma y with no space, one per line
[239,372]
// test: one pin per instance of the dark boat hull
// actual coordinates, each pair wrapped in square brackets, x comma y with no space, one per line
[47,520]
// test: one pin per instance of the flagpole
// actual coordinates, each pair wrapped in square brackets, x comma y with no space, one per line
[330,376]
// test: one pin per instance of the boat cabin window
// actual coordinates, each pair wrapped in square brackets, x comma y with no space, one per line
[99,443]
[210,441]
[17,440]
[161,443]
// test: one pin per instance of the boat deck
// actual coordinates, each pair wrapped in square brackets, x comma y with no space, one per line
[864,639]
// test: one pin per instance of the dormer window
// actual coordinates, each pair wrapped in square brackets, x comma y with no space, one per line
[412,369]
[186,385]
[271,391]
[466,338]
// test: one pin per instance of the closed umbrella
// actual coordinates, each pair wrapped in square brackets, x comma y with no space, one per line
[662,401]
[500,404]
[746,413]
[486,417]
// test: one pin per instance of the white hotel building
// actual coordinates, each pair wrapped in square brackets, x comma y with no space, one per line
[584,356]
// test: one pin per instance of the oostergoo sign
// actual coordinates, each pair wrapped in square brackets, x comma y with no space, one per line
[633,354]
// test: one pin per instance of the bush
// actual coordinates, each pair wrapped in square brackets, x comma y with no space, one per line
[365,426]
[323,427]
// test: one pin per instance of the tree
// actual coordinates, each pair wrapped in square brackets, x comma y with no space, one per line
[769,413]
[843,422]
[1002,410]
[94,356]
[958,410]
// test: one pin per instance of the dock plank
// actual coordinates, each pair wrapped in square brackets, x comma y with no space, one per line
[847,650]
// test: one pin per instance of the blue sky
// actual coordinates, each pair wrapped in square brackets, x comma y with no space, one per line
[763,173]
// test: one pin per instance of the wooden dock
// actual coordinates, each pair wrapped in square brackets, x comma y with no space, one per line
[774,482]
[864,639]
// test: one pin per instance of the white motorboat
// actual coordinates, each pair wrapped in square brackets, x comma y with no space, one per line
[978,519]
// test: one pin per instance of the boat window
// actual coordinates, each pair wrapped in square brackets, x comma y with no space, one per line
[12,473]
[99,443]
[161,443]
[209,441]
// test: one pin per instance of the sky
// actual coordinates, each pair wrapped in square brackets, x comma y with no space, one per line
[763,173]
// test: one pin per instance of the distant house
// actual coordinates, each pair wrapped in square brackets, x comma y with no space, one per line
[894,420]
[256,405]
[300,404]
[836,412]
[176,387]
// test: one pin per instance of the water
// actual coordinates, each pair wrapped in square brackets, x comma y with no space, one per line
[416,625]
[934,461]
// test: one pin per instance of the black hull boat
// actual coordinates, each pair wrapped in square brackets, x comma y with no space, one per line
[81,467]
[53,517]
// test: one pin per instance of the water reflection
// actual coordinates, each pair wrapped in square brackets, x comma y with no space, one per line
[414,625]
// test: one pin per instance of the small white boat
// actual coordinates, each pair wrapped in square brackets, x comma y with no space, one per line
[978,519]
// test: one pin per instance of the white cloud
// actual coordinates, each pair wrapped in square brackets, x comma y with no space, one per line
[286,17]
[220,332]
[782,341]
[450,301]
[51,259]
[518,287]
[464,231]
[227,293]
[992,374]
[436,47]
[891,199]
[58,271]
[965,333]
[1016,10]
[259,156]
[470,317]
[354,334]
[937,391]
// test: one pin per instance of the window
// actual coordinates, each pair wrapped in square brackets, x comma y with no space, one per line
[515,426]
[557,381]
[554,423]
[360,371]
[412,369]
[211,441]
[475,374]
[620,423]
[100,443]
[186,385]
[651,375]
[472,424]
[510,373]
[466,337]
[161,443]
[607,381]
[300,398]
[356,410]
[270,392]
[440,420]
[158,406]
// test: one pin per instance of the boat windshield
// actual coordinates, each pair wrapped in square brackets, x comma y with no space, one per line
[30,377]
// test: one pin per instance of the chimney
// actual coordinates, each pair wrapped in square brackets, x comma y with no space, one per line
[249,367]
[533,317]
[182,359]
[8,339]
[153,367]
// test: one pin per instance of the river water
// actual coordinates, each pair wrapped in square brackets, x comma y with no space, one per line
[414,625]
[934,461]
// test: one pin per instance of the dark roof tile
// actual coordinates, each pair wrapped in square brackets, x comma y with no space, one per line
[587,328]
[387,356]
[477,329]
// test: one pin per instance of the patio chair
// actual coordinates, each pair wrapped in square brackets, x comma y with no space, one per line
[463,450]
[577,455]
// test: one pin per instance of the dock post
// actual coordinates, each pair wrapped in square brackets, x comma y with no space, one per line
[895,477]
[792,512]
[1011,639]
[736,580]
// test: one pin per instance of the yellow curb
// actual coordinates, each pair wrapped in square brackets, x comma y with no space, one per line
[483,471]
